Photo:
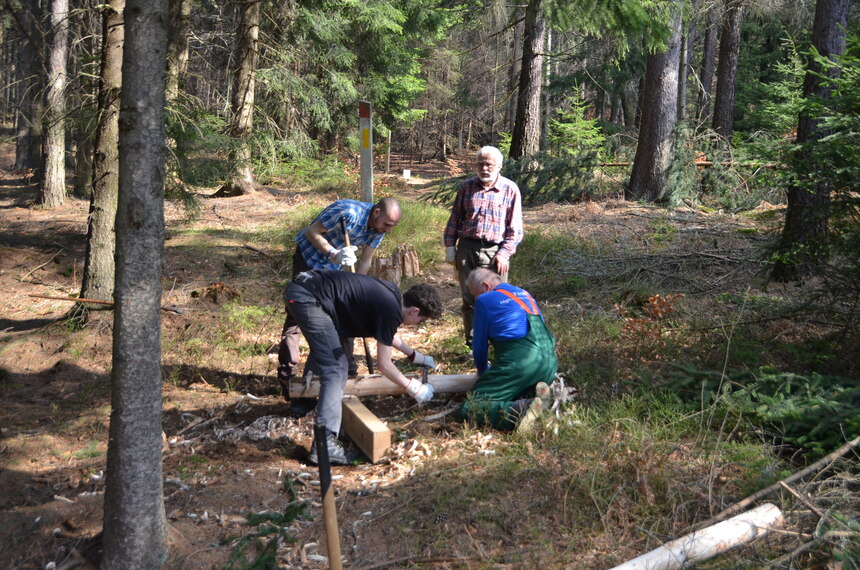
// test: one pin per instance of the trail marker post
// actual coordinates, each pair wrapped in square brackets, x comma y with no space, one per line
[366,151]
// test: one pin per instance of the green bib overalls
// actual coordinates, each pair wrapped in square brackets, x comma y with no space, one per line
[518,365]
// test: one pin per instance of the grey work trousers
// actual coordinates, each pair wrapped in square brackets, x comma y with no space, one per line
[327,356]
[471,254]
[288,350]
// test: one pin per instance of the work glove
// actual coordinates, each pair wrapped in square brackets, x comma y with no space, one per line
[344,256]
[421,392]
[422,360]
[451,254]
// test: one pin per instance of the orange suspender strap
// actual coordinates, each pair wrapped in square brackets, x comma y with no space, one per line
[534,310]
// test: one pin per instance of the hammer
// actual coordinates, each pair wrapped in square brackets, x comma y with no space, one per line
[367,356]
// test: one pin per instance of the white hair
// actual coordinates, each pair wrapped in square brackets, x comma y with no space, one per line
[491,151]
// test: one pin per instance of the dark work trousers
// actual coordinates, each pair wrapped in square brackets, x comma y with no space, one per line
[288,351]
[326,356]
[471,254]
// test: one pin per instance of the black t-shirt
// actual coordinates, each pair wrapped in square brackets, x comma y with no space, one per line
[359,305]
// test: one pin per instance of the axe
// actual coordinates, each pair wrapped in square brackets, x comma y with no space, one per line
[367,356]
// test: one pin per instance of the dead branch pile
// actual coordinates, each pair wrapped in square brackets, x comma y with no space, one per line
[691,271]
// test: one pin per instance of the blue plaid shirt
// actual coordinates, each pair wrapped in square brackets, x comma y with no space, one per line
[356,216]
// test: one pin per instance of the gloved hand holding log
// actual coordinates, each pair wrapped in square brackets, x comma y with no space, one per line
[421,392]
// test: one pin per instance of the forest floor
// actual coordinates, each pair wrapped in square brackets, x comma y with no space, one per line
[230,447]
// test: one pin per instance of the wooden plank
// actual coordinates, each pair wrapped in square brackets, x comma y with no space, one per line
[368,432]
[378,385]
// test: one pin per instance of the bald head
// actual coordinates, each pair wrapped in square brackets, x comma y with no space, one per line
[481,280]
[385,215]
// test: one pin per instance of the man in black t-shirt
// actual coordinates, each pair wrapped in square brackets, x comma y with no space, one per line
[331,305]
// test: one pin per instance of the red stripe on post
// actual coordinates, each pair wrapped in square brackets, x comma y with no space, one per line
[364,109]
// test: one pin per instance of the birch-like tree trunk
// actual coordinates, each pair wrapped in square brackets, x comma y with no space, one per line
[99,266]
[135,526]
[242,180]
[654,151]
[52,188]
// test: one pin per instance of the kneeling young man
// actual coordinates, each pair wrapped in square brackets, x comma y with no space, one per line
[515,389]
[330,305]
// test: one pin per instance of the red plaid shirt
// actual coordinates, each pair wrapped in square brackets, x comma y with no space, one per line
[491,214]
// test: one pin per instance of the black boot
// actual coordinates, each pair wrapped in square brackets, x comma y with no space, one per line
[336,452]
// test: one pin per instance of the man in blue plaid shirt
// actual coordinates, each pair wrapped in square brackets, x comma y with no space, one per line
[485,226]
[322,245]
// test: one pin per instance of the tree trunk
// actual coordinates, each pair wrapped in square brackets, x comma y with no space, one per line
[688,41]
[83,161]
[135,526]
[525,139]
[802,244]
[52,188]
[242,180]
[727,69]
[547,104]
[709,58]
[99,267]
[514,70]
[177,47]
[654,150]
[28,122]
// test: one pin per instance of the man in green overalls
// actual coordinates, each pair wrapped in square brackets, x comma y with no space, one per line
[515,389]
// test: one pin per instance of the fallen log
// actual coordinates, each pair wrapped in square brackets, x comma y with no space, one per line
[823,463]
[709,542]
[378,385]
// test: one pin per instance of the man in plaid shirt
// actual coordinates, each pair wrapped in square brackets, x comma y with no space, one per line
[485,226]
[322,245]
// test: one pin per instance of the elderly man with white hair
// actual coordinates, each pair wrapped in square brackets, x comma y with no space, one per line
[485,226]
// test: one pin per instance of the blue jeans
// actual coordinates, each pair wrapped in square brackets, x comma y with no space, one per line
[327,357]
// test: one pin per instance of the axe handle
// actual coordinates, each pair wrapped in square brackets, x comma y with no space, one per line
[332,533]
[367,358]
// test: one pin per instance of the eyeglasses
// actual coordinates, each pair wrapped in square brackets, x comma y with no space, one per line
[490,165]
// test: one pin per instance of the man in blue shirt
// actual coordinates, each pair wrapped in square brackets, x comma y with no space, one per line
[322,245]
[515,389]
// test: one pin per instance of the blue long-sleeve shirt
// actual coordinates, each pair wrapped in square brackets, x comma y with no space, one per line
[498,317]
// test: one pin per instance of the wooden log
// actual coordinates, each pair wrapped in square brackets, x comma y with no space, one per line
[403,262]
[378,385]
[709,542]
[368,432]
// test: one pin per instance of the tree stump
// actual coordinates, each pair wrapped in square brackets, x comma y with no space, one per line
[403,262]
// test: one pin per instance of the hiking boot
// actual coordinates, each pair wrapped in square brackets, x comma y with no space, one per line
[336,452]
[530,417]
[544,392]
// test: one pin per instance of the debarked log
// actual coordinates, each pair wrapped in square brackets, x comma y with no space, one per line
[378,385]
[709,542]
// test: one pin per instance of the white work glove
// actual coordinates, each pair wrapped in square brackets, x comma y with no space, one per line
[421,392]
[422,360]
[344,256]
[451,254]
